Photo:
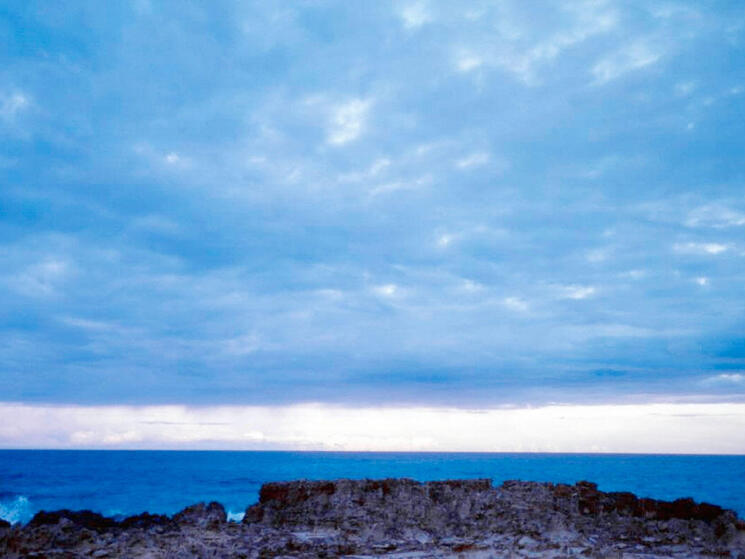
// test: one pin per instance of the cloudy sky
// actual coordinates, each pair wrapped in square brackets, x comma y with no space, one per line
[351,204]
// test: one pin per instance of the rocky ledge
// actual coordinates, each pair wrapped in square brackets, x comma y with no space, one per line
[399,518]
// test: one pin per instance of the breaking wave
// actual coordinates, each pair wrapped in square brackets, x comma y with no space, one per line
[236,516]
[16,510]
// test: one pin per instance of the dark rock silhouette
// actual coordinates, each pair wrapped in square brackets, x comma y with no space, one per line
[147,520]
[80,518]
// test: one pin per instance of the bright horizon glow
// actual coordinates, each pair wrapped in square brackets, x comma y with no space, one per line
[717,428]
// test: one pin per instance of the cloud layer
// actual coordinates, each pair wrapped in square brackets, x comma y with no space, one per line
[415,202]
[649,428]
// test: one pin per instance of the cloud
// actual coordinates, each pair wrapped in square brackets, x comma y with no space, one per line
[86,324]
[161,159]
[13,104]
[325,215]
[515,304]
[445,240]
[348,121]
[377,168]
[635,56]
[472,160]
[673,428]
[577,291]
[524,51]
[386,290]
[467,61]
[700,248]
[470,286]
[717,216]
[41,279]
[242,345]
[634,274]
[394,186]
[726,379]
[415,14]
[598,255]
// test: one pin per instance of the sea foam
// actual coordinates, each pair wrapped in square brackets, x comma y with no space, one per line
[236,516]
[17,510]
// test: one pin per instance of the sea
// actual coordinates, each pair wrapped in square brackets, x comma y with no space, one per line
[123,483]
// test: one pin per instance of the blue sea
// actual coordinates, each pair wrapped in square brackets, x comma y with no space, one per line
[117,483]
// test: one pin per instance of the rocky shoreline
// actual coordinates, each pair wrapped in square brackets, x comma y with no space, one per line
[398,518]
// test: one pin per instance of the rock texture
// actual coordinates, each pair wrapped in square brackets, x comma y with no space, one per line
[399,518]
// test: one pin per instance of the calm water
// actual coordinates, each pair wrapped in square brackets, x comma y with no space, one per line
[124,483]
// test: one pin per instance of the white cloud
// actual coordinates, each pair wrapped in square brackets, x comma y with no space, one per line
[394,186]
[472,160]
[466,61]
[379,165]
[515,304]
[577,291]
[42,279]
[348,121]
[471,286]
[700,248]
[717,216]
[12,104]
[702,281]
[161,159]
[87,324]
[386,290]
[634,274]
[588,20]
[445,240]
[390,187]
[415,14]
[726,378]
[597,255]
[375,169]
[631,57]
[695,428]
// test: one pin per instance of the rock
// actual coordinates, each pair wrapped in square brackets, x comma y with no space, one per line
[81,518]
[399,518]
[211,516]
[4,524]
[146,520]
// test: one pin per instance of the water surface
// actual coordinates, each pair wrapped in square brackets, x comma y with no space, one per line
[130,482]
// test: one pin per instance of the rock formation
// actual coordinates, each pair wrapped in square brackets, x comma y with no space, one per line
[399,518]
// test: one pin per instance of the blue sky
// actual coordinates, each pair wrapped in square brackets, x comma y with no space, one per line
[358,203]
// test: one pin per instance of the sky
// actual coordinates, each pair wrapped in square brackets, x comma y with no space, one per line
[384,208]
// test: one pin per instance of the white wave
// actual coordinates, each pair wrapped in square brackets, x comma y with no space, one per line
[15,511]
[235,516]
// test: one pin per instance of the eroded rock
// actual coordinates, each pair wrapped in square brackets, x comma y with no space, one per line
[399,518]
[210,516]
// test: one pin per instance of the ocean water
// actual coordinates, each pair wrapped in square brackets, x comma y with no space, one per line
[129,482]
